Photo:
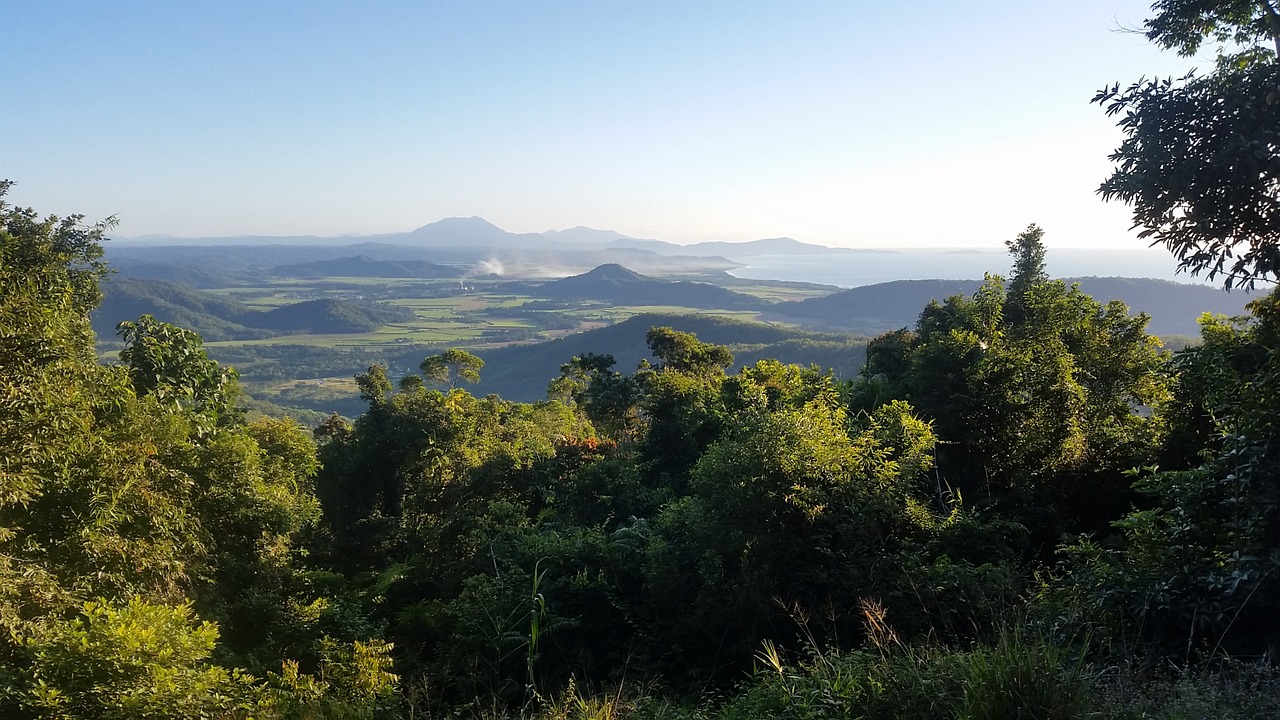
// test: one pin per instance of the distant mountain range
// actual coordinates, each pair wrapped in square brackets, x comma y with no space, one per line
[478,233]
[582,235]
[215,265]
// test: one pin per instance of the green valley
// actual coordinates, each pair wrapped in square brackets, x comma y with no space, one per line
[292,332]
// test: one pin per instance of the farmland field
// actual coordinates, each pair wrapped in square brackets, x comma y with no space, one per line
[315,370]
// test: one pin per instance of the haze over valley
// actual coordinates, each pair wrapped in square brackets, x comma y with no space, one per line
[299,316]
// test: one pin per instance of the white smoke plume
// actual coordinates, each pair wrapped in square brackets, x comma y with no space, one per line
[488,267]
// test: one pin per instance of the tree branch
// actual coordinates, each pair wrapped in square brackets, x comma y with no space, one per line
[1273,21]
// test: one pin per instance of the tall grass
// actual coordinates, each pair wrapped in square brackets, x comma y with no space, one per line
[1024,677]
[1018,675]
[1021,674]
[1014,678]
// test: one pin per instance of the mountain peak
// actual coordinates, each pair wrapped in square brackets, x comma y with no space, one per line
[584,235]
[455,224]
[612,272]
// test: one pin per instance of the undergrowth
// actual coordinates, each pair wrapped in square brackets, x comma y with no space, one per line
[1019,674]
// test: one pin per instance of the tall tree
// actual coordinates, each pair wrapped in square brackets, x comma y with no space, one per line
[49,271]
[1034,394]
[1200,162]
[168,362]
[681,399]
[1028,253]
[1184,25]
[452,365]
[607,397]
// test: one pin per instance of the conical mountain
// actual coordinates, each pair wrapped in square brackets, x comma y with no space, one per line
[614,283]
[470,232]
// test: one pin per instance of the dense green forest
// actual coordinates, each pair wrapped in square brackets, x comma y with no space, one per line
[1022,503]
[1022,506]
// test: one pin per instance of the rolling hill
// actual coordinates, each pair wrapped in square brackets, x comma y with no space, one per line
[615,284]
[872,308]
[203,275]
[217,317]
[1173,307]
[364,266]
[330,316]
[521,372]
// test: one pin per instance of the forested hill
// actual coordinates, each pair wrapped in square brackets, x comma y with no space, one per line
[522,372]
[216,317]
[196,275]
[1174,307]
[873,308]
[331,315]
[364,266]
[616,284]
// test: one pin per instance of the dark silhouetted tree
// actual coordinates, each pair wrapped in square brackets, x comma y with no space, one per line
[1200,161]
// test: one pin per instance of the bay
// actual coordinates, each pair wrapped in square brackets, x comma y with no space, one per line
[848,269]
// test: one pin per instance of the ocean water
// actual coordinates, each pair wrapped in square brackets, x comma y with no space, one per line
[854,269]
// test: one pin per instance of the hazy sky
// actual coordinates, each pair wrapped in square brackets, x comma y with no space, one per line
[923,123]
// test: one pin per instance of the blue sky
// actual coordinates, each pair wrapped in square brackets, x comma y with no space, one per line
[844,123]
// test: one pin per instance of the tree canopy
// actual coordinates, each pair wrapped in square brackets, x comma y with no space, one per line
[1200,161]
[1184,25]
[148,534]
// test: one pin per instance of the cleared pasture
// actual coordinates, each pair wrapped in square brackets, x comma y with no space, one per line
[481,316]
